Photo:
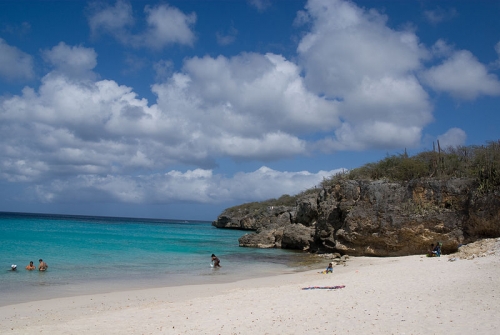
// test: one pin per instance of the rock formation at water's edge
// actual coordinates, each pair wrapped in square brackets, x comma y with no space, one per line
[374,218]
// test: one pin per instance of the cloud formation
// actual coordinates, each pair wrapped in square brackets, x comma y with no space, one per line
[226,38]
[452,138]
[113,20]
[199,186]
[354,84]
[350,55]
[495,65]
[439,15]
[165,25]
[71,61]
[14,64]
[462,76]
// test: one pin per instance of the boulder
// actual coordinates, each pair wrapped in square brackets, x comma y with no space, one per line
[265,238]
[297,236]
[306,210]
[274,216]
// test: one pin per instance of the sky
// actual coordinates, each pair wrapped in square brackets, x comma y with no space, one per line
[180,109]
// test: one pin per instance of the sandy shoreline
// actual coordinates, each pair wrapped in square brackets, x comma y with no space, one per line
[403,295]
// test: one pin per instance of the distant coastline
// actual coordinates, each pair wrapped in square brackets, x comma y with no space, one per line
[97,217]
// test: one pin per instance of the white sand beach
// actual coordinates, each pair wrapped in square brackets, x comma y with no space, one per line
[402,295]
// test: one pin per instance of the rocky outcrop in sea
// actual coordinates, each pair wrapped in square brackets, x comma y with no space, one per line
[374,218]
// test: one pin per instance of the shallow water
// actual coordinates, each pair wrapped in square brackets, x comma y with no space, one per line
[101,254]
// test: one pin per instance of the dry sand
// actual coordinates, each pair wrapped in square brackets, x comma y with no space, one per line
[403,295]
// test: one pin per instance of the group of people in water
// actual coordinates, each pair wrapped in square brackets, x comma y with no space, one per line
[42,266]
[434,251]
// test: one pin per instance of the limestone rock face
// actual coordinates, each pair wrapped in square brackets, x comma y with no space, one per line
[266,238]
[484,216]
[306,210]
[270,217]
[376,218]
[297,236]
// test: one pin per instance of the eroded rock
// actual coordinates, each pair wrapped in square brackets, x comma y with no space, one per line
[376,218]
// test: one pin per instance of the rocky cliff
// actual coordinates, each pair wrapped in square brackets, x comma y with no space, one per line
[374,218]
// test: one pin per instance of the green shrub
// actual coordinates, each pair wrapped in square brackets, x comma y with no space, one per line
[481,163]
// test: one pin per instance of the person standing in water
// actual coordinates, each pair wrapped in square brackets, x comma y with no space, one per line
[30,266]
[215,261]
[42,266]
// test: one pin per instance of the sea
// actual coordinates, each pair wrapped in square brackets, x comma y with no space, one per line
[90,255]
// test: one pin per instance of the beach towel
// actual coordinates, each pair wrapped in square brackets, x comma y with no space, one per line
[323,287]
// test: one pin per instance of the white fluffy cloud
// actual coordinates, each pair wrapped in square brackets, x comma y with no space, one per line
[348,44]
[112,20]
[246,107]
[70,127]
[353,87]
[198,185]
[71,61]
[452,138]
[165,25]
[462,76]
[256,94]
[75,133]
[14,64]
[351,55]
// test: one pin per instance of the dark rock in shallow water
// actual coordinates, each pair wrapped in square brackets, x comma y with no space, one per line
[375,218]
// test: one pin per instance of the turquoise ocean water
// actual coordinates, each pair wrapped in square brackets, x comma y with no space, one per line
[101,254]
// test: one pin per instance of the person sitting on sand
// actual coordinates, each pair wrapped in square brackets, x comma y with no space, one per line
[30,266]
[437,250]
[431,249]
[215,261]
[42,266]
[329,269]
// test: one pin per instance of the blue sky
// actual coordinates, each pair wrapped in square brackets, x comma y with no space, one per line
[180,109]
